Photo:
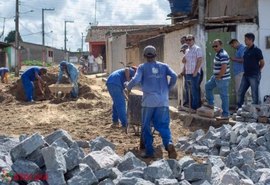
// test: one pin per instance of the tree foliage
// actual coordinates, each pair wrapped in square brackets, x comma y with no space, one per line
[11,37]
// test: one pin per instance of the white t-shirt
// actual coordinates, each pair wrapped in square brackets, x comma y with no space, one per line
[91,59]
[99,59]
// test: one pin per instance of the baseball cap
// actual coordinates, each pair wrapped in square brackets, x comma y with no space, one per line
[149,51]
[183,47]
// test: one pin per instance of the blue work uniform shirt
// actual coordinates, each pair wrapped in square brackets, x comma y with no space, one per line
[72,72]
[3,70]
[252,57]
[238,67]
[118,77]
[153,77]
[30,73]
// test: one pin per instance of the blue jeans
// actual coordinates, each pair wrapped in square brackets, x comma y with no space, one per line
[75,89]
[160,118]
[28,87]
[119,104]
[222,86]
[249,81]
[195,90]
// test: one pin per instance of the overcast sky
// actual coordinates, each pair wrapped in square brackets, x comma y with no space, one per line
[82,12]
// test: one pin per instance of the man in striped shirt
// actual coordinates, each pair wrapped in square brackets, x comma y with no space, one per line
[220,79]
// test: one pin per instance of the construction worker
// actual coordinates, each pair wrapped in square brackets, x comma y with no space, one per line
[152,75]
[28,77]
[4,74]
[115,86]
[72,73]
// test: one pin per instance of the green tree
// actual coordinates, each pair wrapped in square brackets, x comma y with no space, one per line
[11,37]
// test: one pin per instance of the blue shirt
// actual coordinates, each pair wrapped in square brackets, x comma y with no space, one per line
[222,57]
[238,67]
[252,57]
[3,70]
[30,73]
[72,72]
[154,82]
[118,77]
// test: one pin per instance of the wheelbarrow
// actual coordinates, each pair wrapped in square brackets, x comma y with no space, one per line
[59,91]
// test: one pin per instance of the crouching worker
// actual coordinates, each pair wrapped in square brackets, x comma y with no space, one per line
[115,86]
[72,74]
[28,77]
[4,74]
[152,75]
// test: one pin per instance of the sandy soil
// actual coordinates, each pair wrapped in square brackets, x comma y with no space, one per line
[85,118]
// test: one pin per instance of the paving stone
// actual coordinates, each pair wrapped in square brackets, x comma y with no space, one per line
[216,161]
[56,177]
[36,157]
[133,181]
[157,170]
[175,167]
[129,162]
[166,182]
[26,147]
[106,182]
[196,172]
[54,159]
[73,156]
[185,161]
[229,176]
[99,143]
[105,173]
[25,170]
[61,145]
[248,155]
[59,134]
[106,158]
[84,177]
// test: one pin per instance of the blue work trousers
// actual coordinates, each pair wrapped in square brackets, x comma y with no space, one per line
[249,81]
[28,87]
[119,104]
[223,87]
[75,89]
[159,117]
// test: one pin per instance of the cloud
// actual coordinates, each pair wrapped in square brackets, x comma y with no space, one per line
[82,12]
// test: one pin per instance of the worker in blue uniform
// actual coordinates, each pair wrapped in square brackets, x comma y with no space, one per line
[4,74]
[153,77]
[28,77]
[115,86]
[72,73]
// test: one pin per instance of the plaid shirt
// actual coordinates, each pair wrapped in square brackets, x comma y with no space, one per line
[191,56]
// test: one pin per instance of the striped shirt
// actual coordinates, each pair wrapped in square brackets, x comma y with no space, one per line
[192,54]
[222,57]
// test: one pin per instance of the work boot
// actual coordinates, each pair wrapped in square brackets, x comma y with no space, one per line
[208,105]
[171,151]
[115,125]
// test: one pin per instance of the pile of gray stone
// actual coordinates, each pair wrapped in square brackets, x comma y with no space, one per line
[238,154]
[253,113]
[58,160]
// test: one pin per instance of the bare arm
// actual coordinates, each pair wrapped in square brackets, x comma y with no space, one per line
[198,65]
[40,82]
[238,60]
[261,64]
[127,75]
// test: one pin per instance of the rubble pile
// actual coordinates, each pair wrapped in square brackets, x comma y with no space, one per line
[253,113]
[238,154]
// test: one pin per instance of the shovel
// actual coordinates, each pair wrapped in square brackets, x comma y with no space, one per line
[189,117]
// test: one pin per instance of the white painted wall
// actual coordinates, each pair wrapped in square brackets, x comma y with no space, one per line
[264,30]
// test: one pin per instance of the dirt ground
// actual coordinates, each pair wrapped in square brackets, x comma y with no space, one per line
[85,118]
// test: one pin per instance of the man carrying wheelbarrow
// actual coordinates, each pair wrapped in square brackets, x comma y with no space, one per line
[72,73]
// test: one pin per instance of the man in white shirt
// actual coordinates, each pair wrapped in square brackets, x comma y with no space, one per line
[91,60]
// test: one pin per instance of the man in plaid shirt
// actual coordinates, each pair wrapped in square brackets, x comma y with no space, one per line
[193,64]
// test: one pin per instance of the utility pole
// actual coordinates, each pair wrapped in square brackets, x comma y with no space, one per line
[82,42]
[17,39]
[43,35]
[65,33]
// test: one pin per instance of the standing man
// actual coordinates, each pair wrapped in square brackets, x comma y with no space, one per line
[115,86]
[28,77]
[72,74]
[4,74]
[99,61]
[253,65]
[91,60]
[220,79]
[238,69]
[152,75]
[193,62]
